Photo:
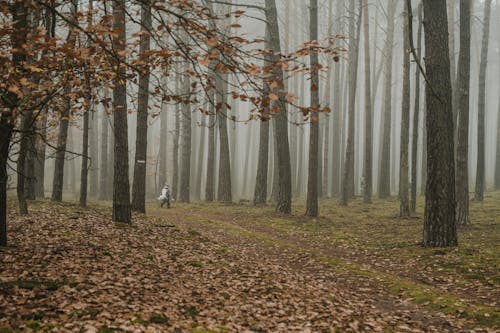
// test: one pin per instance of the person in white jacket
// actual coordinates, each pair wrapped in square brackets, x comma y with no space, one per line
[165,196]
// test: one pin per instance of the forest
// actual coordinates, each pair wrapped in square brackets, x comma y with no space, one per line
[249,166]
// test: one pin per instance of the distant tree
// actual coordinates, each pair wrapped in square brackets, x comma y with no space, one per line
[368,153]
[463,91]
[497,161]
[416,117]
[404,203]
[141,144]
[312,180]
[162,151]
[354,32]
[176,138]
[439,221]
[384,180]
[480,170]
[84,172]
[103,159]
[121,186]
[210,181]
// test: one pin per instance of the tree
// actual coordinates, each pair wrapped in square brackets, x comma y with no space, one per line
[121,187]
[354,32]
[260,192]
[497,161]
[58,180]
[10,99]
[416,117]
[480,170]
[185,174]
[404,204]
[284,202]
[312,180]
[384,180]
[439,220]
[368,156]
[85,151]
[103,160]
[162,153]
[141,144]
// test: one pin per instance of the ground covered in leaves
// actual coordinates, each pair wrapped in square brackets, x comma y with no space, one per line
[213,268]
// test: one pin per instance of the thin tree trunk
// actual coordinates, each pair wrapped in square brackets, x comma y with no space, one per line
[462,170]
[141,144]
[312,178]
[209,187]
[85,152]
[185,174]
[224,193]
[103,167]
[121,186]
[416,116]
[439,222]
[162,154]
[480,170]
[404,203]
[384,180]
[368,161]
[175,157]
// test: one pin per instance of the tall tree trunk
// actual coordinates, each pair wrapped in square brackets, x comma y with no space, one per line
[384,180]
[103,160]
[439,221]
[162,154]
[175,157]
[462,169]
[480,171]
[26,129]
[185,174]
[18,38]
[368,161]
[404,203]
[416,118]
[497,161]
[40,147]
[354,32]
[141,144]
[85,152]
[312,178]
[284,204]
[121,186]
[209,186]
[224,193]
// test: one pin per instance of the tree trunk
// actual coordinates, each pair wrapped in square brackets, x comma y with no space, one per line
[185,174]
[58,181]
[175,157]
[141,144]
[284,204]
[416,118]
[462,168]
[85,152]
[103,167]
[368,161]
[224,193]
[121,187]
[209,187]
[480,171]
[384,181]
[162,154]
[348,174]
[497,163]
[26,121]
[404,203]
[439,222]
[312,177]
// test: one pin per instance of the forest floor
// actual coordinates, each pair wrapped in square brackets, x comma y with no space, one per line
[238,268]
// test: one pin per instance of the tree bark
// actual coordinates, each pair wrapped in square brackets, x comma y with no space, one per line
[284,204]
[121,186]
[416,118]
[439,221]
[185,174]
[462,167]
[312,178]
[348,174]
[368,160]
[384,181]
[175,157]
[85,152]
[480,170]
[103,167]
[404,203]
[141,144]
